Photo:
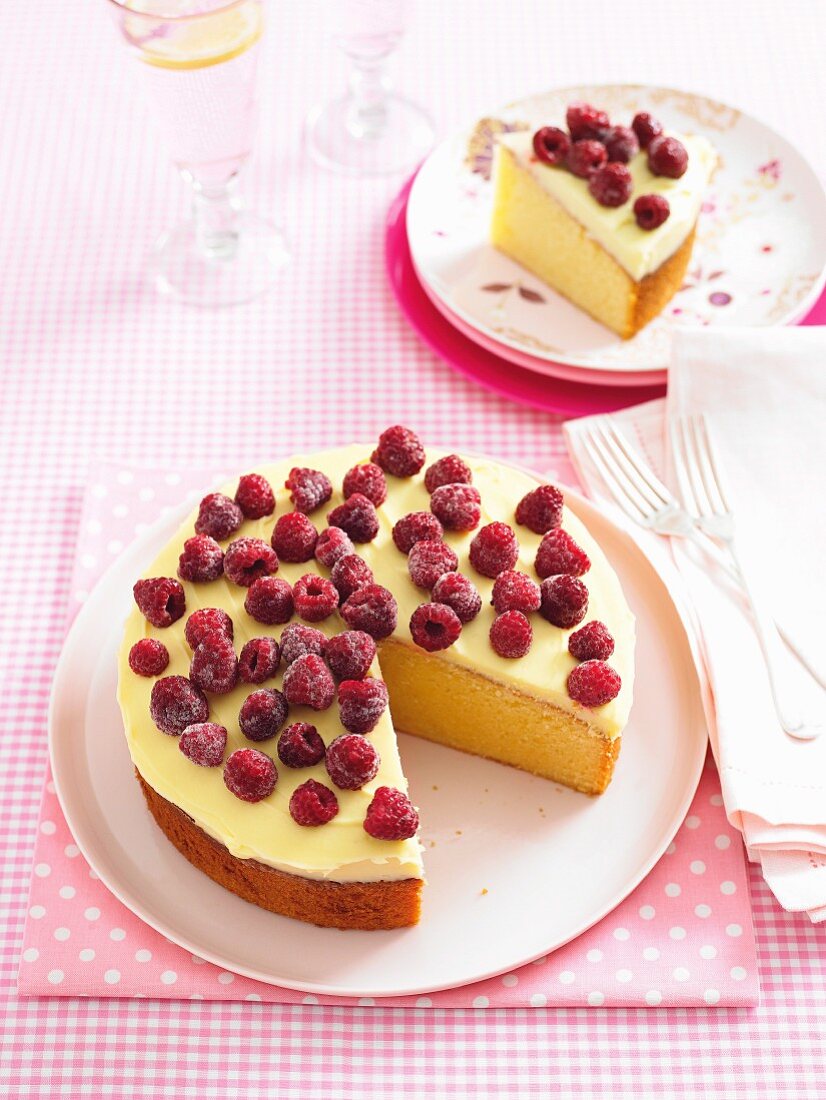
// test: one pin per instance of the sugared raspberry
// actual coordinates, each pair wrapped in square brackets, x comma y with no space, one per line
[201,560]
[357,516]
[586,157]
[367,479]
[428,561]
[650,211]
[350,654]
[540,509]
[435,626]
[551,145]
[294,537]
[312,804]
[667,157]
[646,127]
[259,660]
[593,684]
[248,559]
[372,609]
[494,549]
[270,601]
[621,144]
[204,743]
[297,640]
[457,507]
[262,714]
[214,666]
[254,496]
[515,591]
[391,816]
[349,574]
[309,683]
[218,516]
[148,657]
[450,470]
[315,598]
[352,761]
[250,774]
[611,185]
[300,746]
[399,452]
[416,527]
[564,600]
[309,489]
[591,642]
[459,593]
[559,553]
[361,704]
[160,599]
[511,634]
[207,620]
[176,703]
[585,121]
[332,544]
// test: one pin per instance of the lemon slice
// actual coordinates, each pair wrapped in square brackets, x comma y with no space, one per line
[194,43]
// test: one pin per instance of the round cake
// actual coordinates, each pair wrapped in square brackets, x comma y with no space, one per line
[304,613]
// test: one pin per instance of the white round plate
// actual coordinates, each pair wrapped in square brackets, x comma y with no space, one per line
[553,862]
[759,258]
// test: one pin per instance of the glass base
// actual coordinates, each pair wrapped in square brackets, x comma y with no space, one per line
[400,143]
[235,274]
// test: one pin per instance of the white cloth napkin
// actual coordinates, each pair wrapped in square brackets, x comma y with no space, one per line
[764,392]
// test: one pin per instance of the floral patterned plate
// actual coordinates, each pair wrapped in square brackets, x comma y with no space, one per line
[759,259]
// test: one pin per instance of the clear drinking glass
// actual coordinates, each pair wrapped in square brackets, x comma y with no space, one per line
[369,130]
[199,61]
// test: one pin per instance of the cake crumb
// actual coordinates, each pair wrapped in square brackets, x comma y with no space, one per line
[483,891]
[433,844]
[458,832]
[435,788]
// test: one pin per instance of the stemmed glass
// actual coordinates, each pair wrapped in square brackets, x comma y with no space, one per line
[369,130]
[199,60]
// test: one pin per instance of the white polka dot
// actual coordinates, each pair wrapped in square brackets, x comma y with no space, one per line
[55,977]
[37,912]
[702,911]
[143,956]
[708,951]
[126,477]
[42,870]
[622,934]
[253,997]
[88,561]
[117,934]
[480,1002]
[62,934]
[98,491]
[169,977]
[711,996]
[94,527]
[48,827]
[197,960]
[225,978]
[716,800]
[722,842]
[538,1000]
[147,493]
[623,976]
[67,892]
[692,822]
[71,851]
[677,933]
[540,961]
[739,973]
[653,997]
[114,546]
[112,977]
[567,977]
[120,511]
[673,890]
[594,955]
[671,849]
[175,479]
[651,954]
[192,996]
[86,955]
[31,954]
[424,1002]
[92,913]
[727,888]
[681,974]
[510,980]
[734,930]
[697,867]
[310,1000]
[93,874]
[366,1002]
[50,787]
[595,998]
[648,912]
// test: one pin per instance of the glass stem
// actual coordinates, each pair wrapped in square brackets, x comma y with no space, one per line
[215,210]
[367,115]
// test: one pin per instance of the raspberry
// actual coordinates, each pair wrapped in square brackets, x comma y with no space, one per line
[262,714]
[591,642]
[416,527]
[218,516]
[214,666]
[621,144]
[399,452]
[515,591]
[202,559]
[161,599]
[207,620]
[332,544]
[349,574]
[148,657]
[309,683]
[312,804]
[585,158]
[254,496]
[459,593]
[593,684]
[611,185]
[315,598]
[646,128]
[367,479]
[585,121]
[259,660]
[391,816]
[357,516]
[248,559]
[176,703]
[650,211]
[540,509]
[350,654]
[551,145]
[297,640]
[511,634]
[361,704]
[300,746]
[204,743]
[457,507]
[250,775]
[564,600]
[294,537]
[494,549]
[309,489]
[667,157]
[270,601]
[428,561]
[372,609]
[450,470]
[352,761]
[559,553]
[435,626]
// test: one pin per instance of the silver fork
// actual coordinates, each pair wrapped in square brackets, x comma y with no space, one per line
[699,475]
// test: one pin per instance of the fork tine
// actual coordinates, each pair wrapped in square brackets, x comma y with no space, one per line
[650,500]
[711,463]
[617,488]
[643,470]
[704,471]
[688,474]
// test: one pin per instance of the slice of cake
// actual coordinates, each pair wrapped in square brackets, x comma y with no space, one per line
[605,215]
